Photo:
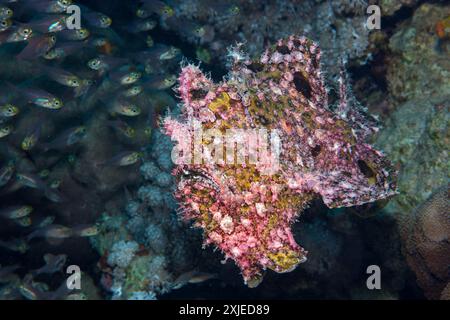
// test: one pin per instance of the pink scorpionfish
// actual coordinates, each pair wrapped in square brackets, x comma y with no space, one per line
[253,150]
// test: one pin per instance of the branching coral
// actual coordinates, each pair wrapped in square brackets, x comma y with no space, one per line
[245,195]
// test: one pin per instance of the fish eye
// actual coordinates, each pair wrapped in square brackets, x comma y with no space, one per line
[82,33]
[140,13]
[94,63]
[235,9]
[200,31]
[105,20]
[4,23]
[26,31]
[167,11]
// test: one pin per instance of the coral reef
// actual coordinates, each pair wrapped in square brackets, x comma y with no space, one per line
[245,199]
[390,7]
[416,138]
[416,134]
[425,234]
[339,26]
[419,66]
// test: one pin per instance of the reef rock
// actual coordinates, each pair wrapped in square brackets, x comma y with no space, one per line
[419,66]
[425,234]
[416,138]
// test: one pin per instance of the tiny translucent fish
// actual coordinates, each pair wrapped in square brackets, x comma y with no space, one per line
[54,231]
[55,184]
[125,158]
[16,34]
[132,91]
[159,52]
[85,230]
[5,130]
[53,264]
[33,291]
[31,139]
[45,222]
[74,35]
[125,108]
[24,222]
[105,63]
[16,245]
[44,173]
[77,296]
[63,49]
[149,41]
[49,23]
[37,47]
[148,132]
[123,128]
[188,28]
[192,277]
[8,111]
[224,8]
[54,195]
[35,182]
[63,77]
[16,212]
[30,180]
[5,13]
[141,26]
[5,24]
[41,98]
[6,173]
[67,138]
[47,6]
[160,82]
[155,6]
[125,77]
[203,55]
[28,292]
[96,19]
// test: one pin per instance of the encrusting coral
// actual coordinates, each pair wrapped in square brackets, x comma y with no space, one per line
[246,198]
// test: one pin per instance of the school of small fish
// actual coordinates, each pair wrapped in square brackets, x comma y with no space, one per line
[60,87]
